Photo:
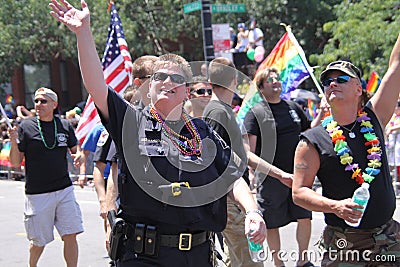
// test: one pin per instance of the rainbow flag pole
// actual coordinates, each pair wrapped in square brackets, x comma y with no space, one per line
[5,116]
[303,57]
[289,59]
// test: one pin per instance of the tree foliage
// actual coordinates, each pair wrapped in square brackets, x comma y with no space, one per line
[362,31]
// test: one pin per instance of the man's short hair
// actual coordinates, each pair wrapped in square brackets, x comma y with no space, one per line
[143,66]
[173,59]
[263,75]
[222,72]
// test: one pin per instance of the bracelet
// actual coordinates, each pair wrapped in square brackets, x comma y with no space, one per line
[259,212]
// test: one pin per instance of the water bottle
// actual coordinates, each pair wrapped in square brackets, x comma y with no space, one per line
[257,253]
[361,197]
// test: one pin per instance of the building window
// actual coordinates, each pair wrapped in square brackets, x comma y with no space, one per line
[35,76]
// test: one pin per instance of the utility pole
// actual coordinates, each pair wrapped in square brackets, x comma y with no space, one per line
[208,45]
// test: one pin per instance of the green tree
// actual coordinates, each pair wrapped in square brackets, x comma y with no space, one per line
[28,33]
[364,33]
[23,35]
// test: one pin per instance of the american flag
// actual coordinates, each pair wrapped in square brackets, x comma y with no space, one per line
[117,69]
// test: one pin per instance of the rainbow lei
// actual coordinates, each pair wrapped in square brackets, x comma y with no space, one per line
[342,150]
[186,146]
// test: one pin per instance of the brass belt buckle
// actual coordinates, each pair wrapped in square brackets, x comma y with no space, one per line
[185,241]
[176,189]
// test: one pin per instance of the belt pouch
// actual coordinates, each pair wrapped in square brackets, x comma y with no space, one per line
[150,241]
[139,238]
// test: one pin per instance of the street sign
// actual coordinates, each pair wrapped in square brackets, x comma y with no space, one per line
[228,8]
[194,6]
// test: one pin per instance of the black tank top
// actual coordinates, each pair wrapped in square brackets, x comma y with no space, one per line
[337,183]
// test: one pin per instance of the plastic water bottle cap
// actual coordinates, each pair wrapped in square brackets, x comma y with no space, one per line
[365,185]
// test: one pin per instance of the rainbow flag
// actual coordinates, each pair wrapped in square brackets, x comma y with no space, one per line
[312,109]
[287,58]
[373,83]
[5,154]
[9,99]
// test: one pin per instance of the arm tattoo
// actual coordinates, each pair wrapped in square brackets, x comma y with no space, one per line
[303,143]
[301,166]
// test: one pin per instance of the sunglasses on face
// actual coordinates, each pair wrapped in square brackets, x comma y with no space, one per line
[175,78]
[339,79]
[273,79]
[202,91]
[144,77]
[42,101]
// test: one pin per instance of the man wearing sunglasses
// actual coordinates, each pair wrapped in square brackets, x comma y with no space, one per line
[284,120]
[49,194]
[219,114]
[199,95]
[142,71]
[348,149]
[175,172]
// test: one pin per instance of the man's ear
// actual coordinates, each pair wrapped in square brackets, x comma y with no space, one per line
[188,94]
[137,82]
[359,89]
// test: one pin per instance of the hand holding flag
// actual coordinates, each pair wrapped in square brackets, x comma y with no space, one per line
[289,59]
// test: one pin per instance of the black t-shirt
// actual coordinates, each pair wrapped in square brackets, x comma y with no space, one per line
[337,183]
[46,169]
[102,147]
[149,160]
[221,118]
[283,122]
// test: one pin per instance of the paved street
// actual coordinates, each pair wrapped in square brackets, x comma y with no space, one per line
[14,245]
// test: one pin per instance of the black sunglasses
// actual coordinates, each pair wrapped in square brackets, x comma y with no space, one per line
[43,101]
[144,77]
[175,78]
[202,91]
[339,79]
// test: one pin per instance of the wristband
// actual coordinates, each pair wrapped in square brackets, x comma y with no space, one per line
[255,211]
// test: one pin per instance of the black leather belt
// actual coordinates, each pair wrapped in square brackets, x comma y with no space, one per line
[183,241]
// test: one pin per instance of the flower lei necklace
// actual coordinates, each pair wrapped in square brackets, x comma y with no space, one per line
[342,150]
[186,146]
[41,134]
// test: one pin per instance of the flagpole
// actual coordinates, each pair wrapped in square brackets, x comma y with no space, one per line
[303,56]
[3,112]
[5,116]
